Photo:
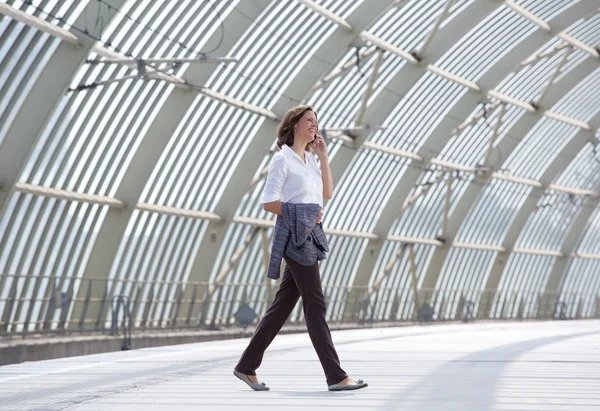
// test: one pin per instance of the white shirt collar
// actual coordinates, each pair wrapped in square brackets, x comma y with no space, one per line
[287,150]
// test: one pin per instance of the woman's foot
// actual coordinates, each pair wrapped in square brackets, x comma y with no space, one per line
[348,384]
[347,381]
[251,381]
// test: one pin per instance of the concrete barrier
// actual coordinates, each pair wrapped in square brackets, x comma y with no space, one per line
[36,348]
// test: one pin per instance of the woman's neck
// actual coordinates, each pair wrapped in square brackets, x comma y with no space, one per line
[298,149]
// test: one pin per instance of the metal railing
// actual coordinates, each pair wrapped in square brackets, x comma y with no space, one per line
[121,302]
[39,305]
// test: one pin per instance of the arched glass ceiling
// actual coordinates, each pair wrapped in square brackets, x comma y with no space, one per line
[481,156]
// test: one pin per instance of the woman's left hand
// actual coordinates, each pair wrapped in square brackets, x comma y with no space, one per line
[319,146]
[321,215]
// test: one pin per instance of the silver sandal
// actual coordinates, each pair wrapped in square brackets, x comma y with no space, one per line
[256,386]
[356,386]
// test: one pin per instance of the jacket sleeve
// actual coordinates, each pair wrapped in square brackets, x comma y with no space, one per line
[280,237]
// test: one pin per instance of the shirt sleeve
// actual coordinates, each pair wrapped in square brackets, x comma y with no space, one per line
[275,178]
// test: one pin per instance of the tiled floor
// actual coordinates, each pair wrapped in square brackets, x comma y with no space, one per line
[479,367]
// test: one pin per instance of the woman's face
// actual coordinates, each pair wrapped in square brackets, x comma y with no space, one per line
[307,127]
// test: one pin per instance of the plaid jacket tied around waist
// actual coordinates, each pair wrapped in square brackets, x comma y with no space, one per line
[298,235]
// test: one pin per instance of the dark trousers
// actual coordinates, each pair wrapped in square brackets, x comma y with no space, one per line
[297,280]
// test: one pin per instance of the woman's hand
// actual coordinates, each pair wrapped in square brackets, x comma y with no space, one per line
[321,215]
[319,146]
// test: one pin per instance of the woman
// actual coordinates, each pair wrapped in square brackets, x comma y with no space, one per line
[294,177]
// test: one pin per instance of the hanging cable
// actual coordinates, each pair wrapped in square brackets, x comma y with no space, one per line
[169,39]
[357,54]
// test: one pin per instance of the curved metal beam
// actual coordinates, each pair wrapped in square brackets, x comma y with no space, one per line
[44,97]
[335,45]
[39,24]
[506,146]
[140,168]
[571,240]
[380,109]
[567,154]
[560,163]
[37,108]
[435,141]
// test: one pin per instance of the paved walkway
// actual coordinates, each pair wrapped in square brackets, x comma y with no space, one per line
[479,367]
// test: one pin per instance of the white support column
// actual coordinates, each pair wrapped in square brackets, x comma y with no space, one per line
[369,91]
[557,71]
[528,15]
[234,260]
[435,141]
[548,28]
[388,268]
[263,173]
[488,155]
[436,27]
[486,111]
[339,72]
[385,45]
[153,208]
[426,187]
[393,151]
[40,24]
[60,194]
[327,14]
[235,189]
[484,247]
[587,256]
[547,253]
[546,54]
[580,45]
[415,240]
[413,279]
[153,144]
[447,205]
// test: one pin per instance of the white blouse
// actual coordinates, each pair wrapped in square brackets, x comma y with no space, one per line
[291,180]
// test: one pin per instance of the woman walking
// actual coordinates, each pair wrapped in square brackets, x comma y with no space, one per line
[294,189]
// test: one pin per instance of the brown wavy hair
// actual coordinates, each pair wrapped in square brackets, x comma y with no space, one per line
[285,131]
